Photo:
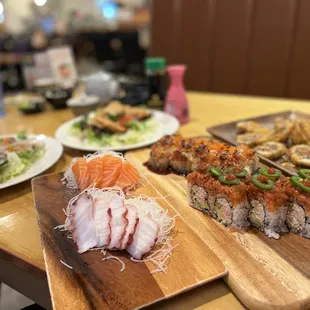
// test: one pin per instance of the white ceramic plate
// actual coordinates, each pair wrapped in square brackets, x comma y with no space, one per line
[53,151]
[166,125]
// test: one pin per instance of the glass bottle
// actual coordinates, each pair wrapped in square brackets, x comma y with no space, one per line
[176,102]
[155,69]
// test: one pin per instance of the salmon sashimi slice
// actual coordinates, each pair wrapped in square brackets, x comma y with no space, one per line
[81,173]
[129,176]
[111,170]
[95,169]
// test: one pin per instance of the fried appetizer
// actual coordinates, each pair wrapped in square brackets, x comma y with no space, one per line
[300,155]
[271,150]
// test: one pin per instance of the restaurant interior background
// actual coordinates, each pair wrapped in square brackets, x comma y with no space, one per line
[242,46]
[249,47]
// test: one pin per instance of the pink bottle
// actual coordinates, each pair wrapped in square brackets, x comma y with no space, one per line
[176,101]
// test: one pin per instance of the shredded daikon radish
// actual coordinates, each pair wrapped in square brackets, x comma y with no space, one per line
[104,252]
[70,267]
[118,259]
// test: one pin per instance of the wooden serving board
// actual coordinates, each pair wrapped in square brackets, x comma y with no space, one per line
[97,284]
[227,132]
[264,273]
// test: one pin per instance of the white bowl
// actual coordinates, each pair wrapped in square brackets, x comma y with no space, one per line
[84,104]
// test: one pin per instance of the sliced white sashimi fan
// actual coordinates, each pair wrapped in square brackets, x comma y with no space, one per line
[102,217]
[133,220]
[144,237]
[82,225]
[118,221]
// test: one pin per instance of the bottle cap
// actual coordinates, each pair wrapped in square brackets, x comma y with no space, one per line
[155,63]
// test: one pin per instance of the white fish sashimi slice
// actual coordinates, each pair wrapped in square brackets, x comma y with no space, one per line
[144,237]
[133,219]
[82,225]
[118,221]
[102,218]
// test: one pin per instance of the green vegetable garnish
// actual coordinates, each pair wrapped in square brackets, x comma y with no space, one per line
[229,179]
[297,181]
[270,173]
[262,182]
[114,117]
[78,124]
[134,124]
[25,105]
[26,154]
[304,173]
[22,135]
[215,172]
[238,172]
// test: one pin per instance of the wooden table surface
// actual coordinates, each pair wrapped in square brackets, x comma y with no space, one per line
[20,249]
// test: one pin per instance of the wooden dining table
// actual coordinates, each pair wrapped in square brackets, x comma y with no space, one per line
[21,257]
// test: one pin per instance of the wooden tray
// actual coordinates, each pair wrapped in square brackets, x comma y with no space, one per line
[227,132]
[97,284]
[264,273]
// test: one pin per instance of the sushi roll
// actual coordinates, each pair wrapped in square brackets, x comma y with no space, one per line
[223,197]
[298,204]
[267,199]
[184,155]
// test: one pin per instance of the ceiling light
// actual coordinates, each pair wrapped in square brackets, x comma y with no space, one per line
[40,2]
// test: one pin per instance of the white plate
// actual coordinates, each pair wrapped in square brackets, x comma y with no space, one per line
[53,151]
[166,125]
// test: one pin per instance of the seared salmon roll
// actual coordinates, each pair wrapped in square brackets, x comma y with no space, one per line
[267,198]
[185,159]
[224,198]
[162,152]
[298,204]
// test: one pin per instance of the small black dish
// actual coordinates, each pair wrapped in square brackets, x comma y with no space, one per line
[31,107]
[57,97]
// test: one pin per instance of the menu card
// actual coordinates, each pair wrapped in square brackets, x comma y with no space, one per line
[62,65]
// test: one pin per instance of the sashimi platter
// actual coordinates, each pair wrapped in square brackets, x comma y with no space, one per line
[112,241]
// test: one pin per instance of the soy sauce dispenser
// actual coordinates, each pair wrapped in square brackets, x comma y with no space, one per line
[155,70]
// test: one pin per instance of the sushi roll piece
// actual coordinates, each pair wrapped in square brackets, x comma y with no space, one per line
[224,198]
[162,151]
[298,205]
[267,199]
[186,157]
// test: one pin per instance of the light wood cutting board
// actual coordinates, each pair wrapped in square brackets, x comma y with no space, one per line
[97,284]
[264,273]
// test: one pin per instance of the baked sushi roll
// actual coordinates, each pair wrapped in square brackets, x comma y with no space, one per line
[185,159]
[267,199]
[224,198]
[298,204]
[184,155]
[162,151]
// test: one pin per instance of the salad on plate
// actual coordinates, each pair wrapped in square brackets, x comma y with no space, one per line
[114,125]
[18,154]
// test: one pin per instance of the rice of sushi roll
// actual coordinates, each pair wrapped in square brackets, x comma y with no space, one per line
[298,206]
[268,208]
[225,202]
